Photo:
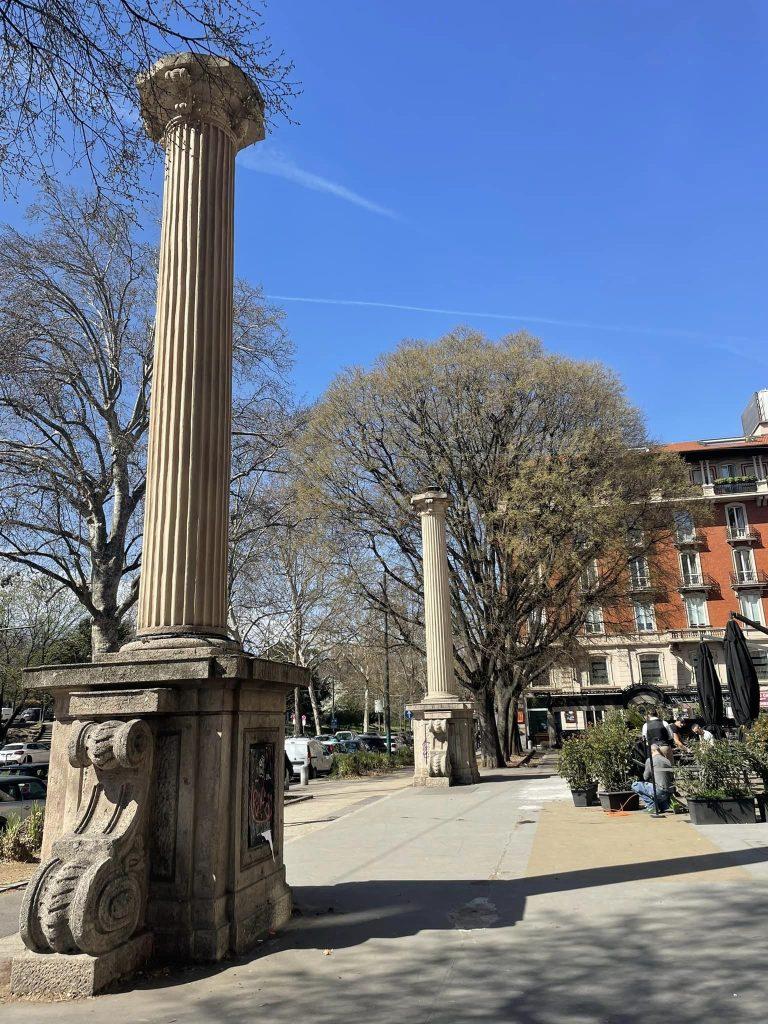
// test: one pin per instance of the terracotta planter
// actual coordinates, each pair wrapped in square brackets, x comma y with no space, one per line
[619,800]
[722,812]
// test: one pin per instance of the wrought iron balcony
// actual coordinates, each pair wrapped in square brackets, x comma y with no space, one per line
[696,581]
[690,539]
[742,535]
[749,578]
[640,584]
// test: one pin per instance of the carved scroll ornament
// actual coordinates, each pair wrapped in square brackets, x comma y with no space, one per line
[439,758]
[89,897]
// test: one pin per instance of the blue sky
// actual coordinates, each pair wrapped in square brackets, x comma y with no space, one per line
[592,170]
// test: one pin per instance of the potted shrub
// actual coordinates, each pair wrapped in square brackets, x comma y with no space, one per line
[611,749]
[716,784]
[575,766]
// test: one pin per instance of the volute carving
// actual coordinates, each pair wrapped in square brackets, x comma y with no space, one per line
[89,897]
[439,758]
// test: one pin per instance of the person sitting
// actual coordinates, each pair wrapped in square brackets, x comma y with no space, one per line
[702,733]
[661,769]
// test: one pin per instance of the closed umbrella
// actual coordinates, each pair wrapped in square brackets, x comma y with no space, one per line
[742,677]
[708,686]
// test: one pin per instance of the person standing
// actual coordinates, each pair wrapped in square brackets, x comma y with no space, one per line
[656,730]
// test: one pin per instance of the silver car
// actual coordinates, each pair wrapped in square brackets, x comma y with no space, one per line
[18,795]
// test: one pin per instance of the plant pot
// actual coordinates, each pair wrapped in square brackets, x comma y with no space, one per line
[585,797]
[722,812]
[619,800]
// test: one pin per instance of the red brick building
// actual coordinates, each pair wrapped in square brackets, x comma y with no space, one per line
[713,570]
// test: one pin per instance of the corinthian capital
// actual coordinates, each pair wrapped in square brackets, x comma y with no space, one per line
[193,87]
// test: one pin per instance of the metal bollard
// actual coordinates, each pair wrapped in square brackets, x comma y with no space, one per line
[304,775]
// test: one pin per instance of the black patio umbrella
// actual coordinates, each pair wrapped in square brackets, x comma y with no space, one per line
[708,686]
[742,677]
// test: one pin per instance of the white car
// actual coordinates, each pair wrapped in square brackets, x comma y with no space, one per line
[18,795]
[25,753]
[302,750]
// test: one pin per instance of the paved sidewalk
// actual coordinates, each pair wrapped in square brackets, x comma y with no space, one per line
[497,903]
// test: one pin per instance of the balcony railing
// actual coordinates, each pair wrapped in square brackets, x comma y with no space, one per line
[741,487]
[749,578]
[639,584]
[697,633]
[696,581]
[742,535]
[690,539]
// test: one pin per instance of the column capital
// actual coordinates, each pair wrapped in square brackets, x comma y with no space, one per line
[430,501]
[189,87]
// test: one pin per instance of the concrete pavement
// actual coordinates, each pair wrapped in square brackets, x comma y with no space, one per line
[495,903]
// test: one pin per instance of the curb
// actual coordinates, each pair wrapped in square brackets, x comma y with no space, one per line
[14,885]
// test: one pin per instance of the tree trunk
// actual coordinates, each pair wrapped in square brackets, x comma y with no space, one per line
[515,743]
[105,635]
[505,701]
[297,711]
[490,748]
[313,702]
[366,710]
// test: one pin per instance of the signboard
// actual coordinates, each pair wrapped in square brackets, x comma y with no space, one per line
[409,715]
[378,707]
[572,719]
[763,697]
[334,723]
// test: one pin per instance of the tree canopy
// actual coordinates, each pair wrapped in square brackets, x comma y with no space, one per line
[549,469]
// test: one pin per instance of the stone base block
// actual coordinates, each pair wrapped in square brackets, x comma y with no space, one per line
[444,749]
[58,974]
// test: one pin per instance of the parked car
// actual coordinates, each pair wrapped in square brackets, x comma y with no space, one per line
[18,795]
[348,747]
[370,741]
[25,753]
[305,751]
[330,743]
[346,734]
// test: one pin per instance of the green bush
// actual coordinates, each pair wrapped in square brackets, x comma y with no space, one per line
[22,837]
[718,771]
[575,762]
[612,746]
[364,762]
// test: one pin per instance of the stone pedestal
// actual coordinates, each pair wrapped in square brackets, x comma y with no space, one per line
[443,743]
[164,818]
[443,731]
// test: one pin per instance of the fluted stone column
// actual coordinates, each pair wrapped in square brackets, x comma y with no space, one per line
[444,753]
[431,505]
[202,110]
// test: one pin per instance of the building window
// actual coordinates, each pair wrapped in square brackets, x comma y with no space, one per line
[638,572]
[696,609]
[759,657]
[650,668]
[744,564]
[589,577]
[636,537]
[593,623]
[684,527]
[598,671]
[751,606]
[736,521]
[645,621]
[690,568]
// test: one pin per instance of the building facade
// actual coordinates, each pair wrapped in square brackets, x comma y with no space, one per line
[714,569]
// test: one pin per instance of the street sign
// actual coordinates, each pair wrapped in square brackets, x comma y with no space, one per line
[378,706]
[303,719]
[409,715]
[334,723]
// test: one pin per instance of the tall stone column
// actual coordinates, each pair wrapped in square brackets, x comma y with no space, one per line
[431,505]
[202,110]
[444,751]
[164,811]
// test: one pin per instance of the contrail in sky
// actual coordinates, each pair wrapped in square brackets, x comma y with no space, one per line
[716,340]
[269,160]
